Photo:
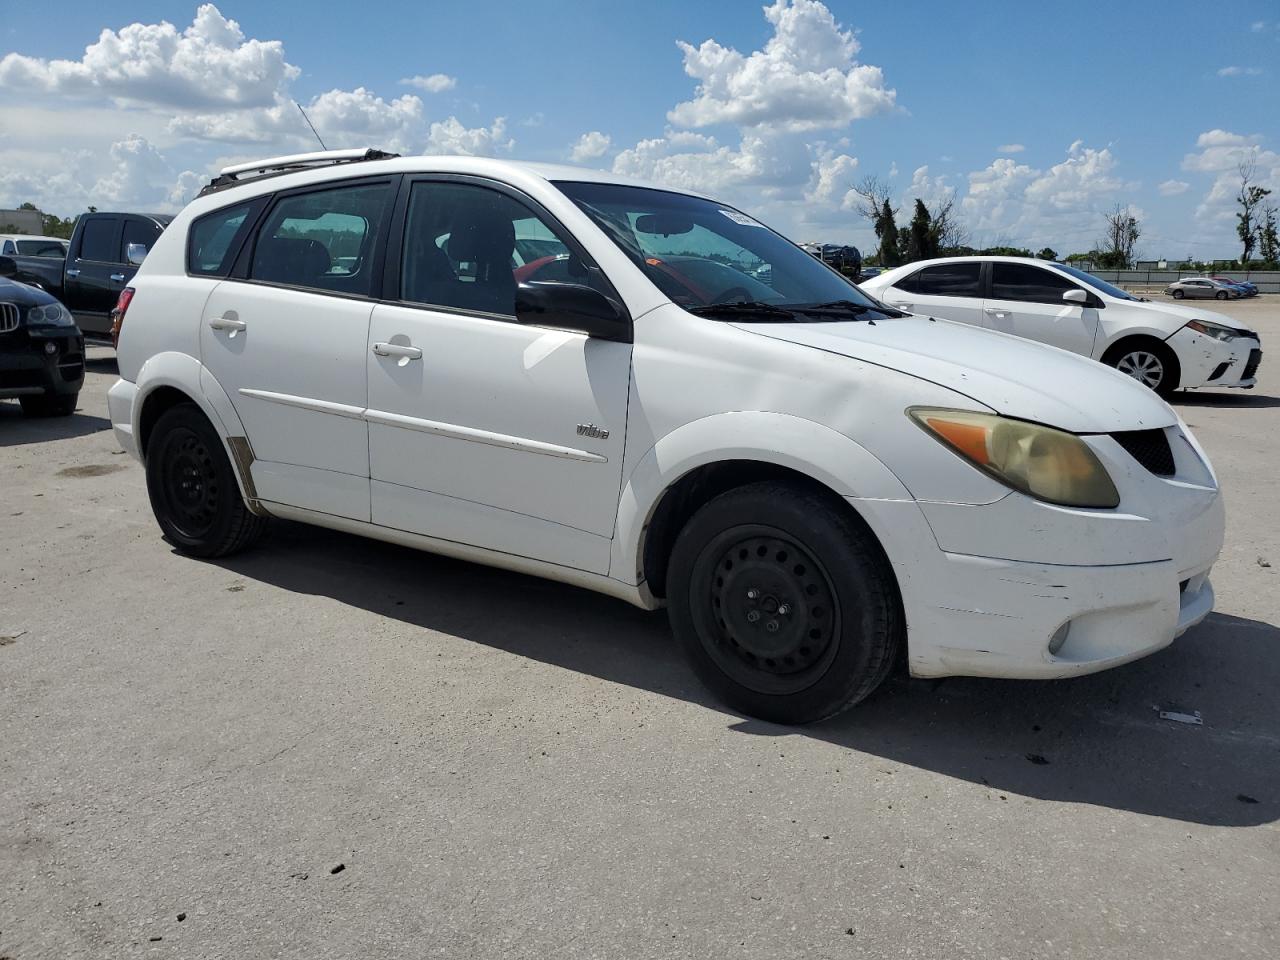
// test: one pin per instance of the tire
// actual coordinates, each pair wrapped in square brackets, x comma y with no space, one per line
[50,405]
[1221,295]
[770,553]
[1148,361]
[193,490]
[1178,294]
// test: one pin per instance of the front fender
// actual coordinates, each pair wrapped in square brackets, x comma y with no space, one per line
[809,448]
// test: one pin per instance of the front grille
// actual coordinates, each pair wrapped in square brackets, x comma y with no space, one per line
[1150,448]
[13,379]
[8,317]
[1251,368]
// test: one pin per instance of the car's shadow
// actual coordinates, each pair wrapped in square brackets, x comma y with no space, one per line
[1096,740]
[17,429]
[1194,398]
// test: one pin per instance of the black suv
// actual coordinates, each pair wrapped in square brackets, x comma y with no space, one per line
[41,350]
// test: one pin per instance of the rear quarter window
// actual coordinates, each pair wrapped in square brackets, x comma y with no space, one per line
[215,238]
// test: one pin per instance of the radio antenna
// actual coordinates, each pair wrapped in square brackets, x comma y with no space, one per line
[309,123]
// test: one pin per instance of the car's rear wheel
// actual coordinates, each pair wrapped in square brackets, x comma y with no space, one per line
[1148,361]
[50,405]
[784,603]
[193,490]
[1178,294]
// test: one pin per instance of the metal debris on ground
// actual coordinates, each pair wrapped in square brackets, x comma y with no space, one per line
[1178,717]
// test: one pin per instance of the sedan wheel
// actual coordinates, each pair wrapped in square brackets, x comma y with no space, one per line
[1222,294]
[1178,294]
[1144,367]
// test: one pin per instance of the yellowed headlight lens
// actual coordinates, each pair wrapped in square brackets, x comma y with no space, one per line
[1045,463]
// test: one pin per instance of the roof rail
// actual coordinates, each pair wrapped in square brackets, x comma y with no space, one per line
[276,166]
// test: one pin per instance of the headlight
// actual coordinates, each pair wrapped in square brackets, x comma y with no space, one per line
[1215,330]
[54,314]
[1045,463]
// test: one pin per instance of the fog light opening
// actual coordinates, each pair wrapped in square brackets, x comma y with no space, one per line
[50,347]
[1059,638]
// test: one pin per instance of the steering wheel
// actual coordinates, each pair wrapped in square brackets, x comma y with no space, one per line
[728,296]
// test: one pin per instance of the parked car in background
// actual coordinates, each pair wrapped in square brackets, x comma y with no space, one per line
[97,263]
[869,272]
[1163,345]
[1203,288]
[38,261]
[1250,289]
[41,349]
[21,245]
[815,484]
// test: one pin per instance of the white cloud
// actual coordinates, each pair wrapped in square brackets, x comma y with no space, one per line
[1173,188]
[1258,26]
[591,146]
[805,78]
[1239,72]
[933,191]
[453,137]
[432,83]
[209,64]
[1220,153]
[832,182]
[1010,148]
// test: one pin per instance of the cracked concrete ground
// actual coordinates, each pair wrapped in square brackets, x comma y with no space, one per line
[508,767]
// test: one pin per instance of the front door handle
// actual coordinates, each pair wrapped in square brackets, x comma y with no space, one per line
[227,323]
[995,312]
[73,273]
[901,305]
[405,353]
[118,277]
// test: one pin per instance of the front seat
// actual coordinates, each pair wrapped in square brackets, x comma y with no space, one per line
[487,239]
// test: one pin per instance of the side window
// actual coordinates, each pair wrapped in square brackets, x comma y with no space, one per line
[98,240]
[1018,281]
[137,231]
[9,248]
[946,280]
[214,239]
[323,240]
[468,247]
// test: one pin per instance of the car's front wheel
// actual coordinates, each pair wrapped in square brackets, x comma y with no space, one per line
[1178,294]
[50,405]
[1148,361]
[1222,294]
[784,603]
[193,490]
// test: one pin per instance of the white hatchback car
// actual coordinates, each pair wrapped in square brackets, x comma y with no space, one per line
[650,394]
[1163,345]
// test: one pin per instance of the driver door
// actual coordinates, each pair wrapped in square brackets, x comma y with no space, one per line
[1026,301]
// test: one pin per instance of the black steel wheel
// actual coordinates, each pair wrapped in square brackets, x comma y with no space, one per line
[784,603]
[193,490]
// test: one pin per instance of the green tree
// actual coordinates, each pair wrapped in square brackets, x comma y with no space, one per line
[1250,196]
[921,238]
[1268,241]
[887,230]
[1048,253]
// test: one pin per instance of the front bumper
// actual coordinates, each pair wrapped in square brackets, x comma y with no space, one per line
[1207,362]
[29,368]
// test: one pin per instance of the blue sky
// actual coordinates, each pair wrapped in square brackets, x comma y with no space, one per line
[1035,118]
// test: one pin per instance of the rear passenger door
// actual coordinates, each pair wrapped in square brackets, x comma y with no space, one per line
[285,335]
[951,291]
[94,277]
[1026,301]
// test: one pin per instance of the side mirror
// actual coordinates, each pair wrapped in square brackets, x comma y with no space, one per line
[572,306]
[1076,296]
[136,253]
[8,266]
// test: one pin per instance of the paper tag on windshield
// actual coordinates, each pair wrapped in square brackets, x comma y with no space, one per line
[740,218]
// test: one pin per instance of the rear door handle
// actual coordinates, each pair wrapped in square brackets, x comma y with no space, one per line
[73,273]
[227,323]
[404,352]
[995,312]
[118,277]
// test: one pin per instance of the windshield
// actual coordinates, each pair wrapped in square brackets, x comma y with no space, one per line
[1097,284]
[705,255]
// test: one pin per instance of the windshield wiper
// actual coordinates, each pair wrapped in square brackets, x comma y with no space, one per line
[849,306]
[754,307]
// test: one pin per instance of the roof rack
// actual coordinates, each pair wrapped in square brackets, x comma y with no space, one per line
[241,173]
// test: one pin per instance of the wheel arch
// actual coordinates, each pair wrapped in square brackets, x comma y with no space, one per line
[707,457]
[1156,341]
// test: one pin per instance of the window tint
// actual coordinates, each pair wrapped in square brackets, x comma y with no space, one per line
[137,231]
[1020,281]
[9,248]
[213,240]
[468,247]
[97,240]
[323,240]
[40,248]
[945,280]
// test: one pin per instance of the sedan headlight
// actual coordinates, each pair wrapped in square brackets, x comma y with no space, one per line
[1045,463]
[1215,330]
[53,314]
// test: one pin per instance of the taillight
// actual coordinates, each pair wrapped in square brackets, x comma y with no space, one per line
[117,314]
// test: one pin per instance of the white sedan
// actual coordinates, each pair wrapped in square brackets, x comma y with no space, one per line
[1164,345]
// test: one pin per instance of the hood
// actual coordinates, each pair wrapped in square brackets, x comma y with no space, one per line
[1187,312]
[24,296]
[1012,376]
